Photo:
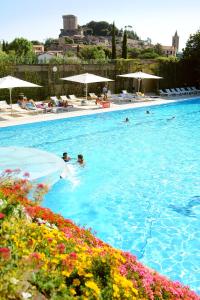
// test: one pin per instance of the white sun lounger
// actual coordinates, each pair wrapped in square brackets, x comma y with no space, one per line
[4,105]
[162,93]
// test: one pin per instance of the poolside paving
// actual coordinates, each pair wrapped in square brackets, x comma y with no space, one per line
[7,119]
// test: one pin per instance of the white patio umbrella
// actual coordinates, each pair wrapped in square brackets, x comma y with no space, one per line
[139,76]
[10,82]
[86,78]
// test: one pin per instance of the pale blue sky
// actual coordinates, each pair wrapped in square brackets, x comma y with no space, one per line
[157,19]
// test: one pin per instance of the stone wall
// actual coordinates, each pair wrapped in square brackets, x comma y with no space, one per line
[52,85]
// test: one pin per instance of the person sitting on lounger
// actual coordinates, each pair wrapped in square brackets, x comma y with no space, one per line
[65,157]
[64,103]
[27,104]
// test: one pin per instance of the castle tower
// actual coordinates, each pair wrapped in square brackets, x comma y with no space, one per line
[70,23]
[175,41]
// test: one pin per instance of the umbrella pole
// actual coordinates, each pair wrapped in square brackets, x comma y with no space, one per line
[139,84]
[10,92]
[86,90]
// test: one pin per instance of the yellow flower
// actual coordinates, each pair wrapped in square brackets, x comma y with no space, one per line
[72,291]
[92,285]
[76,282]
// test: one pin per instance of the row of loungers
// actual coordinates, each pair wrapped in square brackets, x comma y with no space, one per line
[179,91]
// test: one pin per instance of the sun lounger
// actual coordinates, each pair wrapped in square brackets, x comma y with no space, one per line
[180,91]
[175,92]
[184,91]
[192,92]
[162,93]
[58,105]
[126,94]
[195,89]
[4,105]
[65,101]
[93,96]
[171,93]
[79,101]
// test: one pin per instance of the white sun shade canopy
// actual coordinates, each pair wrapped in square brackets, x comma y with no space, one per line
[10,82]
[140,75]
[86,78]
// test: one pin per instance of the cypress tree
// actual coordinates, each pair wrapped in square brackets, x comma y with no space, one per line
[113,42]
[4,46]
[124,45]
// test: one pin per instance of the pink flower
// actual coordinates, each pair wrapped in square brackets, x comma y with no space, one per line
[2,215]
[26,174]
[8,171]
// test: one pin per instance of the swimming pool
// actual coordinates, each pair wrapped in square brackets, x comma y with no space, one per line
[140,188]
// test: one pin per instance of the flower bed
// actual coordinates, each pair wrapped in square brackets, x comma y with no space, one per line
[44,256]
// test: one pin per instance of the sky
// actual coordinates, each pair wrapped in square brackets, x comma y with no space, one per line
[156,19]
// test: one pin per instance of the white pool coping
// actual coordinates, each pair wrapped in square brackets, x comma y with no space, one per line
[27,119]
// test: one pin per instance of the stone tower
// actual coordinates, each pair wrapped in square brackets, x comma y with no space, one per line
[70,26]
[175,41]
[70,23]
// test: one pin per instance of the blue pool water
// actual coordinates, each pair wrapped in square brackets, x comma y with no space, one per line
[140,188]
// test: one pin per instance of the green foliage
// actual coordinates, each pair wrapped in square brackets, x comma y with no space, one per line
[133,52]
[132,35]
[5,46]
[49,42]
[192,49]
[101,28]
[21,46]
[92,52]
[114,55]
[148,53]
[35,42]
[68,40]
[158,49]
[124,46]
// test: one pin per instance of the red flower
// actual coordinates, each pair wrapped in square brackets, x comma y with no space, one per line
[61,248]
[2,216]
[40,186]
[5,253]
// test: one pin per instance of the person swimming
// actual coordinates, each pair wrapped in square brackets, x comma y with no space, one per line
[65,157]
[126,120]
[147,112]
[169,119]
[80,160]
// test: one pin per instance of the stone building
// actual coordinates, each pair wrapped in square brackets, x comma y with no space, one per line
[70,26]
[175,41]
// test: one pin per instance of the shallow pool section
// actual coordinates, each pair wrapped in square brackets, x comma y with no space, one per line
[140,187]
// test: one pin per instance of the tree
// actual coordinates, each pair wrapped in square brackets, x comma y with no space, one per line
[158,49]
[133,52]
[49,42]
[192,49]
[113,42]
[21,46]
[92,52]
[124,45]
[101,28]
[35,42]
[5,46]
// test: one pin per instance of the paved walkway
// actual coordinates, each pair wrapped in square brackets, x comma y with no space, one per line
[11,120]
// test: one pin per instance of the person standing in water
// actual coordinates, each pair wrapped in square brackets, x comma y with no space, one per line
[80,160]
[65,157]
